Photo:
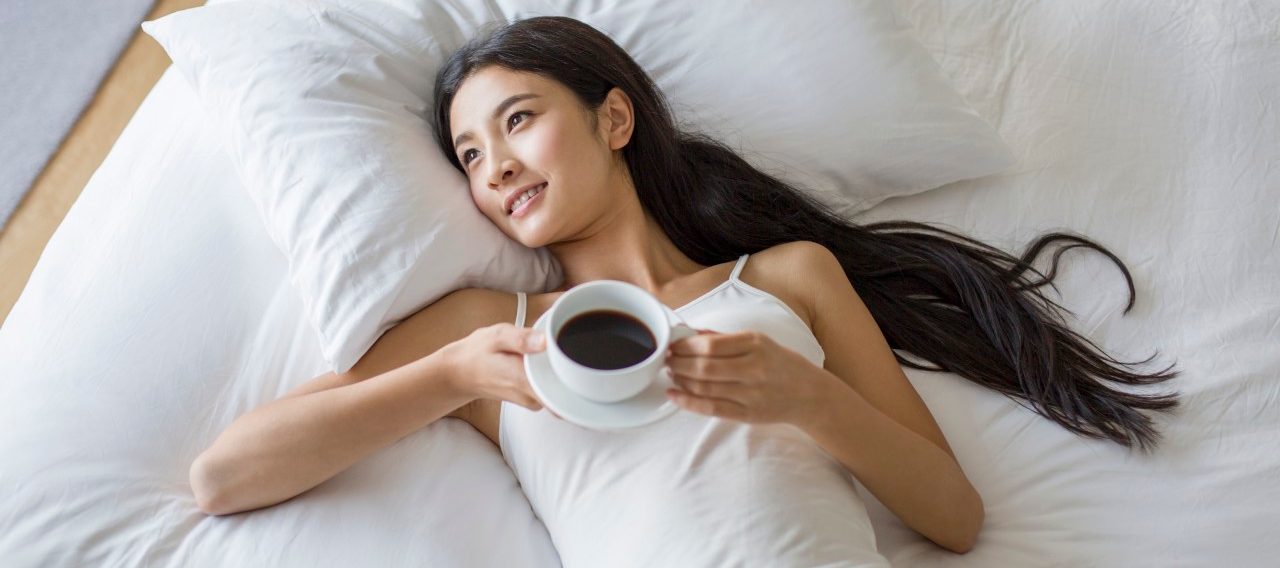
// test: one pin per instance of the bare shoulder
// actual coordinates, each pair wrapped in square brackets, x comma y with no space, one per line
[483,306]
[799,254]
[793,272]
[451,317]
[537,304]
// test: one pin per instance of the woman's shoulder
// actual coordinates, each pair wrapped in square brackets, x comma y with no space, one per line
[797,254]
[789,271]
[483,299]
[477,307]
[538,304]
[501,306]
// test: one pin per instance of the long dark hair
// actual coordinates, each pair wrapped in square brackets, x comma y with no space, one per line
[949,300]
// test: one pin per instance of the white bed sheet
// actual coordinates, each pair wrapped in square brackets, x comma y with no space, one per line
[160,312]
[1153,127]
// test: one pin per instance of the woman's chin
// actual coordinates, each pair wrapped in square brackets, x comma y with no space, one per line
[530,235]
[528,240]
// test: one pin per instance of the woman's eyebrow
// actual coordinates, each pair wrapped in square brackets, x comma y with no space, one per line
[497,112]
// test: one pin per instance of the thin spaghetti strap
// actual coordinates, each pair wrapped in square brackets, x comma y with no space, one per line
[520,305]
[737,269]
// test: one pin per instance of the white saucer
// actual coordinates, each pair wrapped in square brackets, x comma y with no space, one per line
[647,407]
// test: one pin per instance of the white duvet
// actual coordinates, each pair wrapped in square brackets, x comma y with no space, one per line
[160,311]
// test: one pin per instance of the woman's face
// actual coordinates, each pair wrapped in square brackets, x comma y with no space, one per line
[513,131]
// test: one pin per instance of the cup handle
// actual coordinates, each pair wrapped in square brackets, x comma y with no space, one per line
[680,331]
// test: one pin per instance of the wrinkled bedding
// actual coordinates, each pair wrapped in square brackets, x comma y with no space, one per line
[160,311]
[1153,128]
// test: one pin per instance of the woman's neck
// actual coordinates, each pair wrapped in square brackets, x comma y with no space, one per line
[628,246]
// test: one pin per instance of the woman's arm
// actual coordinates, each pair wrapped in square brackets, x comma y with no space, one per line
[404,382]
[922,484]
[875,423]
[860,408]
[288,446]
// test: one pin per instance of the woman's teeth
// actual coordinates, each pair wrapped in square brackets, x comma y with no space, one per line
[515,205]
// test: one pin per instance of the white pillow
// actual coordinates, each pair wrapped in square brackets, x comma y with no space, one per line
[322,105]
[837,96]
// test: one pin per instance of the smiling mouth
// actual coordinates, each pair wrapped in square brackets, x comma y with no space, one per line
[521,202]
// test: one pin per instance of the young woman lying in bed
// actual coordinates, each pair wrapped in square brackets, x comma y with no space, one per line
[553,106]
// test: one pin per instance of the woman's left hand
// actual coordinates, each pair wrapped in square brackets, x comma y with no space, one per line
[744,376]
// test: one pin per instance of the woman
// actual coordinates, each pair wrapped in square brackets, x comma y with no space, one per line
[567,144]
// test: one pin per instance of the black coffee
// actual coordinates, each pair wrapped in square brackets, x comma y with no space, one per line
[606,339]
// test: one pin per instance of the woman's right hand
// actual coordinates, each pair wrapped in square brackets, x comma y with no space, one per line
[489,363]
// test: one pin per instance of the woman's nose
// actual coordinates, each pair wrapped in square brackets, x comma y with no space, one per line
[499,173]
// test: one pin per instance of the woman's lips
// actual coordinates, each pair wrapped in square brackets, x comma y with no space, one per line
[524,209]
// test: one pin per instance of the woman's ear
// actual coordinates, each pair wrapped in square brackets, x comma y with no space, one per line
[617,118]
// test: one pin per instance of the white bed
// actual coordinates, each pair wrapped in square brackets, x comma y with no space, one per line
[161,310]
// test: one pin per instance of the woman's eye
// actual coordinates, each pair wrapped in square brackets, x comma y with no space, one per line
[511,121]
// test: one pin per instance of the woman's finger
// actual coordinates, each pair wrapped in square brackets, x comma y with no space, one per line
[508,337]
[718,344]
[706,368]
[531,402]
[711,389]
[708,406]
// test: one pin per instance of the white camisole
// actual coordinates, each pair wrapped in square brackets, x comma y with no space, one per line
[693,490]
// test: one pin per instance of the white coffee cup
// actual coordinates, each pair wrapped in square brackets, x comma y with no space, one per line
[612,385]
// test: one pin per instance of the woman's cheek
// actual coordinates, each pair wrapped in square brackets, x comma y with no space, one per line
[545,148]
[478,198]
